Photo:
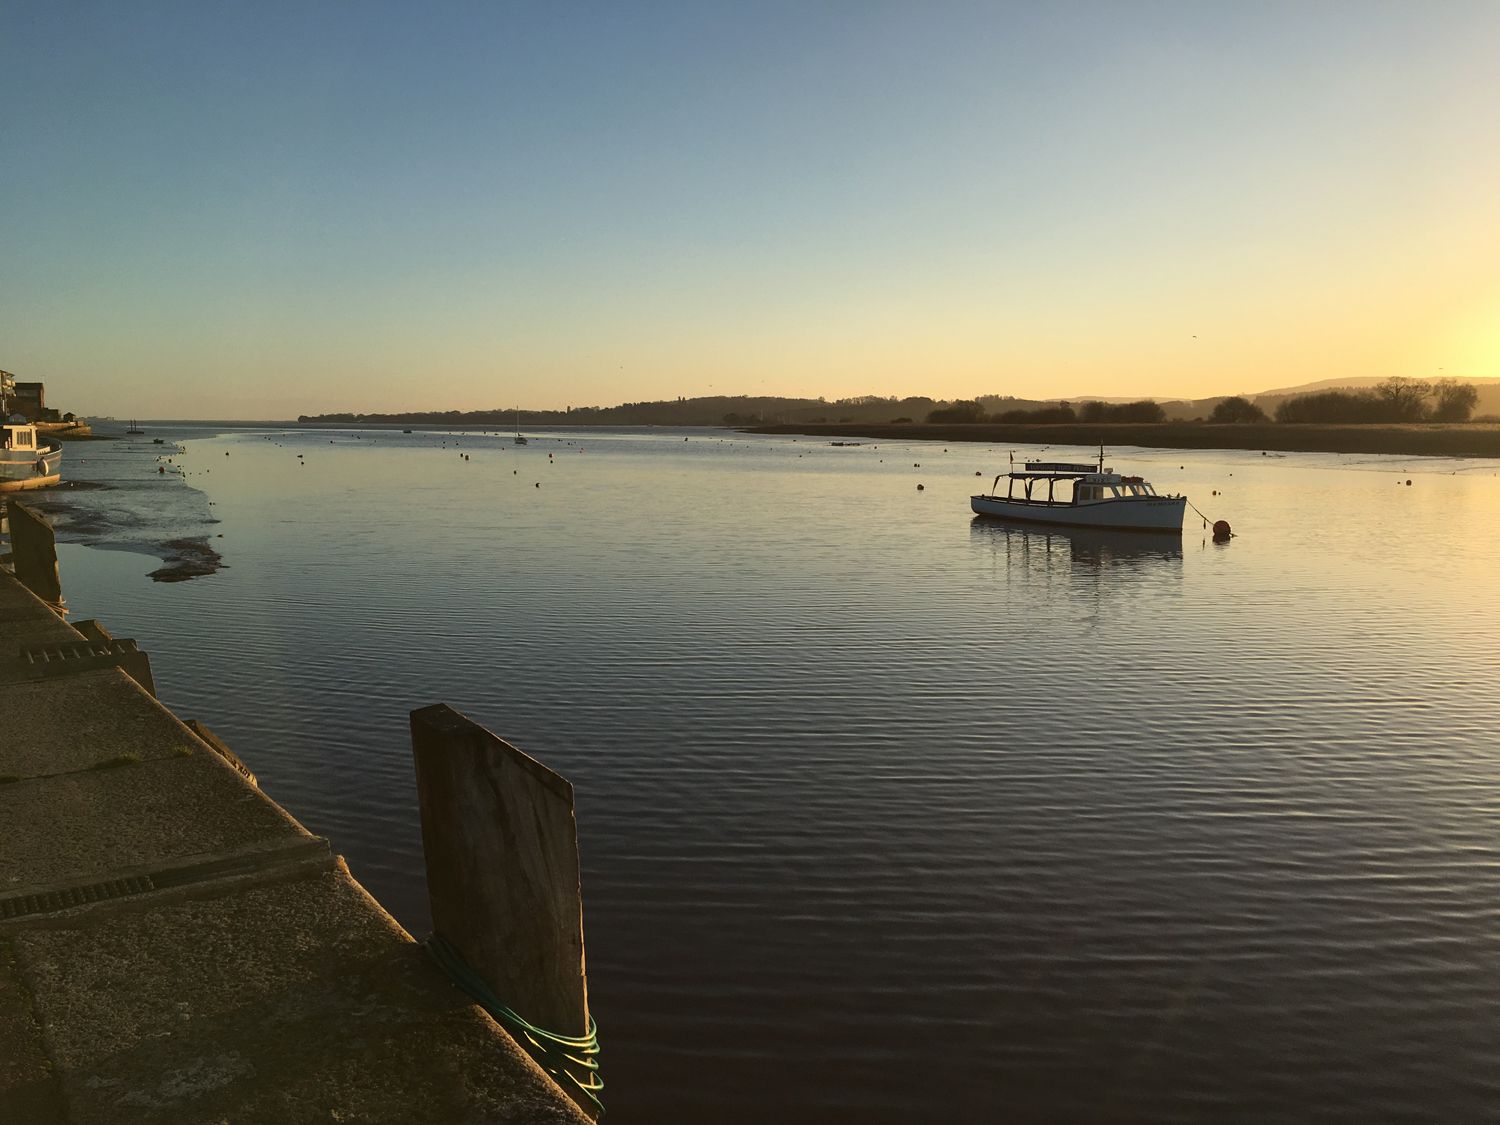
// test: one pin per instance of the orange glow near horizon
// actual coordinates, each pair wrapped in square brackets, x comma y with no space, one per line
[1172,201]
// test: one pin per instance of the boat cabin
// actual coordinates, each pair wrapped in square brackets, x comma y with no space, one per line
[1072,485]
[1114,488]
[19,437]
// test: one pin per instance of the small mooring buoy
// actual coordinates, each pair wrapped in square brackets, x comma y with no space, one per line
[1222,531]
[1408,484]
[921,488]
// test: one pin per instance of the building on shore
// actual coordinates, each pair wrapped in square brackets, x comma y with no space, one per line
[26,399]
[31,400]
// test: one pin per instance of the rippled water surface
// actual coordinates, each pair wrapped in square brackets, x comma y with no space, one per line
[893,815]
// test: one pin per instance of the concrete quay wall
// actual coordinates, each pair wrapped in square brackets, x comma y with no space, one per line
[175,947]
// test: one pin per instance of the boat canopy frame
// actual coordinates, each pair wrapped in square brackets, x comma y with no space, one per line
[1076,474]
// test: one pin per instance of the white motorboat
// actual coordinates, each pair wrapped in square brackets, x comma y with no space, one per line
[1081,496]
[27,460]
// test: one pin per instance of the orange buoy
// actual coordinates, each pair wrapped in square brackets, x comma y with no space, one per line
[1222,531]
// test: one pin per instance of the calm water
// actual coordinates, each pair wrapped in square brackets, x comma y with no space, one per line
[890,815]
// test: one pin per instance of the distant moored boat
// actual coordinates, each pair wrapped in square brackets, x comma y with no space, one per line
[1090,496]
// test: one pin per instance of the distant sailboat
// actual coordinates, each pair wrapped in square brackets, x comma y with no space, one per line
[520,440]
[134,429]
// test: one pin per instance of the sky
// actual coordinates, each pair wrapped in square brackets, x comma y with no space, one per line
[264,209]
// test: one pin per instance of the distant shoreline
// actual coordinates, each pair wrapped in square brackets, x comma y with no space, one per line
[1416,439]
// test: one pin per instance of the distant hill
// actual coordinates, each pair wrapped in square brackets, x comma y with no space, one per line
[747,410]
[716,410]
[1369,381]
[1489,396]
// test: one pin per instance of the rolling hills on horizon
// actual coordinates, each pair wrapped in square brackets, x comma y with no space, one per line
[736,410]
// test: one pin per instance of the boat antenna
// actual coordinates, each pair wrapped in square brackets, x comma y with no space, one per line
[1101,456]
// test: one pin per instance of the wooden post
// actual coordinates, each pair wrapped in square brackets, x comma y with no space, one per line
[33,552]
[502,868]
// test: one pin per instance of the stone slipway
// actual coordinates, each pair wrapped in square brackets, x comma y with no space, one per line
[174,947]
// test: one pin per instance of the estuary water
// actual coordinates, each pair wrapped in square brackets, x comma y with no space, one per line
[889,814]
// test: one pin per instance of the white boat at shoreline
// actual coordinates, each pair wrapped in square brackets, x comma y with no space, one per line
[1081,496]
[27,460]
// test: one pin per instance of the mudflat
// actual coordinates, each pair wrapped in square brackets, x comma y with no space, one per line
[1469,439]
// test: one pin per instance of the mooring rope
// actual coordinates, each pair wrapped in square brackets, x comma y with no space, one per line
[1206,521]
[551,1051]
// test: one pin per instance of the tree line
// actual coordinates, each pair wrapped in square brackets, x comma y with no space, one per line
[969,410]
[1395,400]
[1392,400]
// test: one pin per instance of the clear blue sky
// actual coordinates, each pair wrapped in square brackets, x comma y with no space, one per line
[265,209]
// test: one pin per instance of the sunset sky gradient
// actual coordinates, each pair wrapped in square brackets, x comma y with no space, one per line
[261,209]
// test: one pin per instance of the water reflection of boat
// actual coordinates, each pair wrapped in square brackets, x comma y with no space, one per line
[1086,546]
[1081,496]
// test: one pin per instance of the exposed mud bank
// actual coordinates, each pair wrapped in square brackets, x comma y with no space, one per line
[1421,440]
[126,494]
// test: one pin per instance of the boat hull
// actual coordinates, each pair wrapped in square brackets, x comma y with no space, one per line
[22,471]
[1162,514]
